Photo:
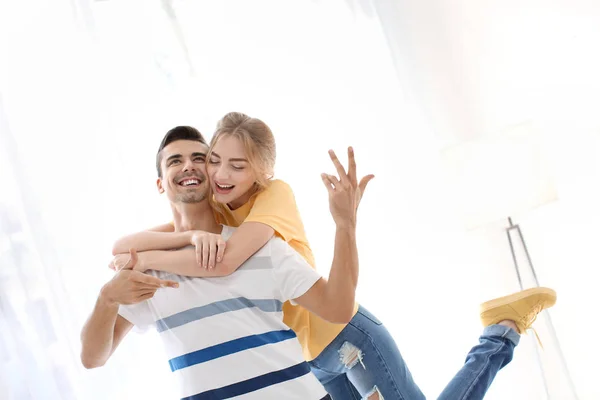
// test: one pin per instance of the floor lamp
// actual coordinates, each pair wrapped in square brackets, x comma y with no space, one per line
[508,174]
[515,239]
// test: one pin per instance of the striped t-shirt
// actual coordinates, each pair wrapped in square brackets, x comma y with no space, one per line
[225,337]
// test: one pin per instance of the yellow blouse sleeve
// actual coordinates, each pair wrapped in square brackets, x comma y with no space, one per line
[276,206]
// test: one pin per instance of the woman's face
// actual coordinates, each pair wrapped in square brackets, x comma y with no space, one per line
[231,177]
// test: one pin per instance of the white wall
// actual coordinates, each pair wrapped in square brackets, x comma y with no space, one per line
[479,66]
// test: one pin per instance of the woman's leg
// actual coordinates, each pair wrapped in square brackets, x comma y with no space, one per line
[503,317]
[369,357]
[341,388]
[335,383]
[370,360]
[494,351]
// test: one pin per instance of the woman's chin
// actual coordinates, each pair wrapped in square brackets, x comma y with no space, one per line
[219,198]
[224,198]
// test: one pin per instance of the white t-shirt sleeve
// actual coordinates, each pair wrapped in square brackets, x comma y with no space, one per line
[293,275]
[138,314]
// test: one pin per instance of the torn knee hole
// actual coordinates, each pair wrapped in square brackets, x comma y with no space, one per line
[350,355]
[375,394]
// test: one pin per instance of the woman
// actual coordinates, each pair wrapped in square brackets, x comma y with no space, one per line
[356,360]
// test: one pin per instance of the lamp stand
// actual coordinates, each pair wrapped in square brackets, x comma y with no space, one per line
[515,230]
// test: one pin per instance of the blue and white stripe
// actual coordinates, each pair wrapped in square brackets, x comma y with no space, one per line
[254,384]
[225,337]
[219,307]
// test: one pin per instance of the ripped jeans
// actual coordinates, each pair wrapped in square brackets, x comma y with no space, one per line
[364,359]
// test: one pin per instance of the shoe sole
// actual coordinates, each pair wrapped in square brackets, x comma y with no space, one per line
[511,298]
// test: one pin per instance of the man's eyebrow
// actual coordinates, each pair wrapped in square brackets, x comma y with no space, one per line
[197,153]
[173,157]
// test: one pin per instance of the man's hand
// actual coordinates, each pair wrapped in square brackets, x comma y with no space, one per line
[209,248]
[130,287]
[345,192]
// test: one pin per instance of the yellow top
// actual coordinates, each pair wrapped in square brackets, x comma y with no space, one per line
[276,206]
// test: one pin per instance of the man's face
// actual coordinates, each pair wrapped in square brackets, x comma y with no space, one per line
[183,166]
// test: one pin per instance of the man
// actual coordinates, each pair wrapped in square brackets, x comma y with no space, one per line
[233,341]
[213,371]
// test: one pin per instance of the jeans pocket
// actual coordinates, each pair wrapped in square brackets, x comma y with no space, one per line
[365,313]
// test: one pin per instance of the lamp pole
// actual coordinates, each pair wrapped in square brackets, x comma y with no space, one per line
[510,230]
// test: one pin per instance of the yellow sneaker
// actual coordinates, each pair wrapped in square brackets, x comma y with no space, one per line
[522,307]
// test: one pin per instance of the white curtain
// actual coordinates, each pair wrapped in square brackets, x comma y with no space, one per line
[89,88]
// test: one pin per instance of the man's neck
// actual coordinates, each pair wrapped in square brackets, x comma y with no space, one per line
[195,216]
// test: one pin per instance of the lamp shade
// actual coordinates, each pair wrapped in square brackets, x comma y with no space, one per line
[500,175]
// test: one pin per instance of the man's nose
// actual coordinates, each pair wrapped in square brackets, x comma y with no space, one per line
[189,166]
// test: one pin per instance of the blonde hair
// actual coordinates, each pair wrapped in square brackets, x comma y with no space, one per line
[258,142]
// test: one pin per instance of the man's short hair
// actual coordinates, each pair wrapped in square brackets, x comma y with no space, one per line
[177,133]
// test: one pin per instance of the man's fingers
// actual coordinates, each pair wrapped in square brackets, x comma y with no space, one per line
[147,287]
[221,244]
[145,279]
[143,290]
[152,280]
[169,283]
[145,296]
[338,166]
[351,166]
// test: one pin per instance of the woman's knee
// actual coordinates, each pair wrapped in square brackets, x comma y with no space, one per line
[375,394]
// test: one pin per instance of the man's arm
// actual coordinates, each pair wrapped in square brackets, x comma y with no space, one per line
[105,329]
[102,333]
